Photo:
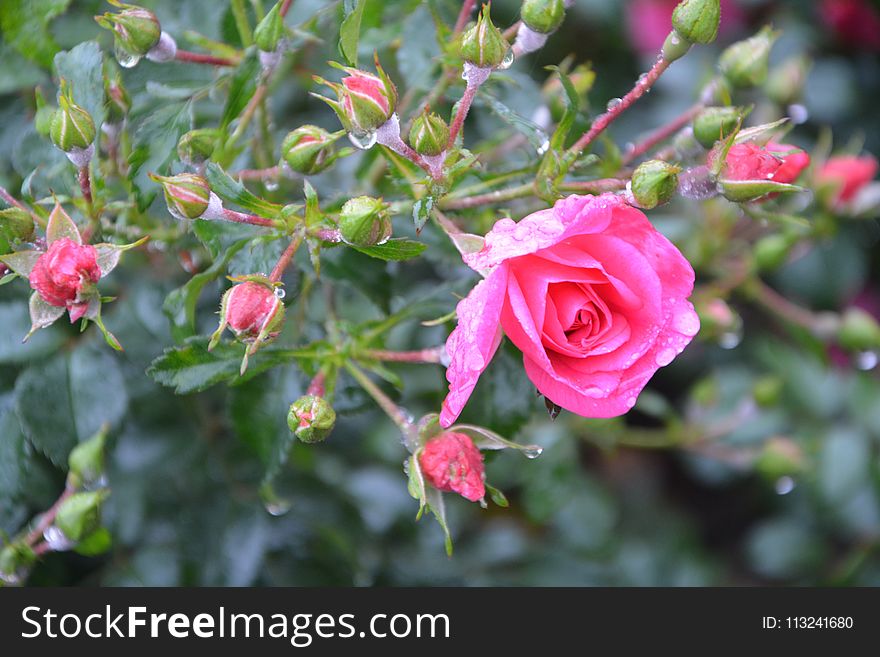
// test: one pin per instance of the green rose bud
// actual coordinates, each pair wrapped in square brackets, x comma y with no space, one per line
[543,16]
[483,45]
[16,225]
[135,29]
[72,127]
[429,134]
[86,461]
[858,330]
[715,123]
[654,182]
[779,457]
[364,221]
[269,30]
[744,64]
[675,46]
[772,251]
[15,559]
[80,514]
[186,195]
[307,148]
[785,84]
[311,418]
[697,20]
[197,146]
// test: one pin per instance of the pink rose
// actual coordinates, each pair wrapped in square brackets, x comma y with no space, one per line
[777,162]
[847,174]
[854,22]
[62,272]
[252,306]
[590,292]
[451,462]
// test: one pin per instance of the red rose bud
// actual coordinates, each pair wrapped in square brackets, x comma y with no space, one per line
[135,30]
[543,16]
[653,183]
[268,32]
[197,146]
[364,221]
[846,175]
[697,21]
[364,101]
[451,462]
[744,64]
[429,134]
[752,171]
[715,123]
[311,418]
[72,127]
[64,273]
[16,225]
[483,45]
[186,195]
[306,149]
[251,309]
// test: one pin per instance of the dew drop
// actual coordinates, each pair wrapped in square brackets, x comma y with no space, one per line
[125,58]
[613,104]
[280,293]
[784,485]
[664,357]
[56,540]
[270,184]
[730,339]
[533,451]
[508,60]
[277,507]
[798,114]
[687,323]
[866,360]
[544,147]
[363,140]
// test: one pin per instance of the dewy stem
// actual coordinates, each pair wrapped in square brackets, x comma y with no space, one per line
[286,257]
[244,218]
[777,304]
[285,7]
[199,58]
[391,409]
[464,107]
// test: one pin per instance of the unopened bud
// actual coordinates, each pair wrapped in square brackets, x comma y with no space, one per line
[15,560]
[186,195]
[697,20]
[858,330]
[452,462]
[16,225]
[306,149]
[135,29]
[744,63]
[785,84]
[429,134]
[311,418]
[364,221]
[252,310]
[80,514]
[715,123]
[654,182]
[364,101]
[780,457]
[197,146]
[268,32]
[543,16]
[118,100]
[86,461]
[483,45]
[72,127]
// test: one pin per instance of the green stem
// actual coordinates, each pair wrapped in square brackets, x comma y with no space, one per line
[391,409]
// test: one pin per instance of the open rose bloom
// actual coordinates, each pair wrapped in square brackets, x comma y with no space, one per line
[589,291]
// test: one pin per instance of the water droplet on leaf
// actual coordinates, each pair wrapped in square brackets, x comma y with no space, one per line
[363,140]
[125,58]
[784,485]
[280,293]
[533,451]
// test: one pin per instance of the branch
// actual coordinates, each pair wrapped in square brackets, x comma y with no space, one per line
[286,257]
[199,58]
[661,134]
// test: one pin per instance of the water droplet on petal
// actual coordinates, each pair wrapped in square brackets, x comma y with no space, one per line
[508,60]
[630,402]
[664,357]
[687,323]
[866,360]
[533,451]
[125,58]
[784,485]
[280,293]
[613,104]
[363,140]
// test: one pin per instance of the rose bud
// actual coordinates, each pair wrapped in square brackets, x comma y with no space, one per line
[715,123]
[72,127]
[16,225]
[855,23]
[268,32]
[64,274]
[744,63]
[846,175]
[780,457]
[858,330]
[197,146]
[86,461]
[451,462]
[311,418]
[251,310]
[429,134]
[135,29]
[543,16]
[186,195]
[785,83]
[364,101]
[483,45]
[306,149]
[653,183]
[751,171]
[364,221]
[697,21]
[80,514]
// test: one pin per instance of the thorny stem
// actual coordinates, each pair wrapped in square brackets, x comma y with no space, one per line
[244,218]
[430,355]
[85,184]
[467,8]
[48,518]
[496,196]
[464,106]
[285,258]
[641,87]
[661,134]
[200,58]
[391,409]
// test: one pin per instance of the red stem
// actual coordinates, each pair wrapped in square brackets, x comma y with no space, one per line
[640,89]
[463,107]
[285,259]
[598,186]
[244,218]
[467,8]
[199,58]
[85,184]
[285,7]
[258,174]
[661,134]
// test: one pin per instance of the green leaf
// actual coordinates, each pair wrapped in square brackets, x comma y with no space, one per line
[572,107]
[42,314]
[61,226]
[66,400]
[14,463]
[16,324]
[350,30]
[241,88]
[258,255]
[25,26]
[21,262]
[218,236]
[529,129]
[82,67]
[233,191]
[192,368]
[422,212]
[394,249]
[98,542]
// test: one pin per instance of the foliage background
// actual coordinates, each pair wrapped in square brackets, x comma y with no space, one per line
[593,510]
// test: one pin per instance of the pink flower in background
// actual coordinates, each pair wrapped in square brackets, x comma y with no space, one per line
[648,22]
[856,23]
[451,462]
[589,291]
[847,174]
[62,272]
[777,162]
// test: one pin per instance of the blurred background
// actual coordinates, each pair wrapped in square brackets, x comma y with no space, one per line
[752,459]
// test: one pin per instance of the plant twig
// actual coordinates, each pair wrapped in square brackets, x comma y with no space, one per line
[661,134]
[496,196]
[286,257]
[467,8]
[200,58]
[430,355]
[391,409]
